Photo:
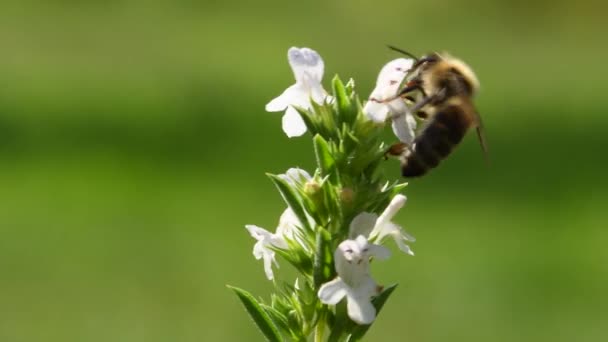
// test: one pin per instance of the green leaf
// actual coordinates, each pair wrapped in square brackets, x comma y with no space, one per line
[323,265]
[292,200]
[295,255]
[396,188]
[359,330]
[325,160]
[350,87]
[339,91]
[258,314]
[346,102]
[281,321]
[341,322]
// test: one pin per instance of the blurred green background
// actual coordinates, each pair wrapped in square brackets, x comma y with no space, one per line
[133,146]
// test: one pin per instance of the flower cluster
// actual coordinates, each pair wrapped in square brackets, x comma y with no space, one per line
[337,218]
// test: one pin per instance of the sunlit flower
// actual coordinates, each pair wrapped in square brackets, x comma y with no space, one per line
[388,84]
[377,228]
[288,223]
[295,175]
[354,281]
[307,68]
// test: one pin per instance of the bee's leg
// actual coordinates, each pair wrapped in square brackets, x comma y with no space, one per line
[411,86]
[416,108]
[433,98]
[395,150]
[422,115]
[409,98]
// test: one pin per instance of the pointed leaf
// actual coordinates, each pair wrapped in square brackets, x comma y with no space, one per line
[292,200]
[339,91]
[258,314]
[396,189]
[278,318]
[350,87]
[347,108]
[340,323]
[323,266]
[325,160]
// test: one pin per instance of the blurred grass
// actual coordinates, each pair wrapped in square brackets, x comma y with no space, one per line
[133,146]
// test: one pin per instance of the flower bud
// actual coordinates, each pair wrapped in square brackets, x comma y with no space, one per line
[311,187]
[347,195]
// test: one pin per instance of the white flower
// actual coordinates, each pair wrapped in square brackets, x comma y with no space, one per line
[377,228]
[261,250]
[307,68]
[354,281]
[387,86]
[295,175]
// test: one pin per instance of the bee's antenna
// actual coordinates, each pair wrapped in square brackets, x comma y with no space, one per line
[403,52]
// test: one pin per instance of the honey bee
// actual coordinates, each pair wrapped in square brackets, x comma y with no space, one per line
[447,86]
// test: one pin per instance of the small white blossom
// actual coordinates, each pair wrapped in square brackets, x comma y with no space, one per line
[307,66]
[295,175]
[377,228]
[354,281]
[387,86]
[288,223]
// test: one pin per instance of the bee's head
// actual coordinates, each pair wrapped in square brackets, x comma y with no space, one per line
[427,61]
[450,73]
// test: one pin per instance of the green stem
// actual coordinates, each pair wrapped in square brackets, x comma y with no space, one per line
[320,328]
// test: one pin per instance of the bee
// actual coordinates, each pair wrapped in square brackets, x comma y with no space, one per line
[447,86]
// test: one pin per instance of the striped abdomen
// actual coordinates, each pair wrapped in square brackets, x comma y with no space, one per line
[445,130]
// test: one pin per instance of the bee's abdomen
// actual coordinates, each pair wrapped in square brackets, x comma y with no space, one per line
[437,141]
[413,167]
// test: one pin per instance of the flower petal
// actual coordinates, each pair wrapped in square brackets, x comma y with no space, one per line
[397,234]
[293,125]
[258,250]
[394,70]
[376,111]
[258,233]
[379,252]
[362,224]
[319,95]
[387,86]
[268,261]
[406,236]
[402,246]
[333,291]
[287,223]
[346,252]
[391,210]
[360,309]
[296,95]
[403,130]
[278,241]
[390,78]
[295,175]
[307,65]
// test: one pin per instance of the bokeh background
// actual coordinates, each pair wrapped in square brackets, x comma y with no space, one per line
[134,142]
